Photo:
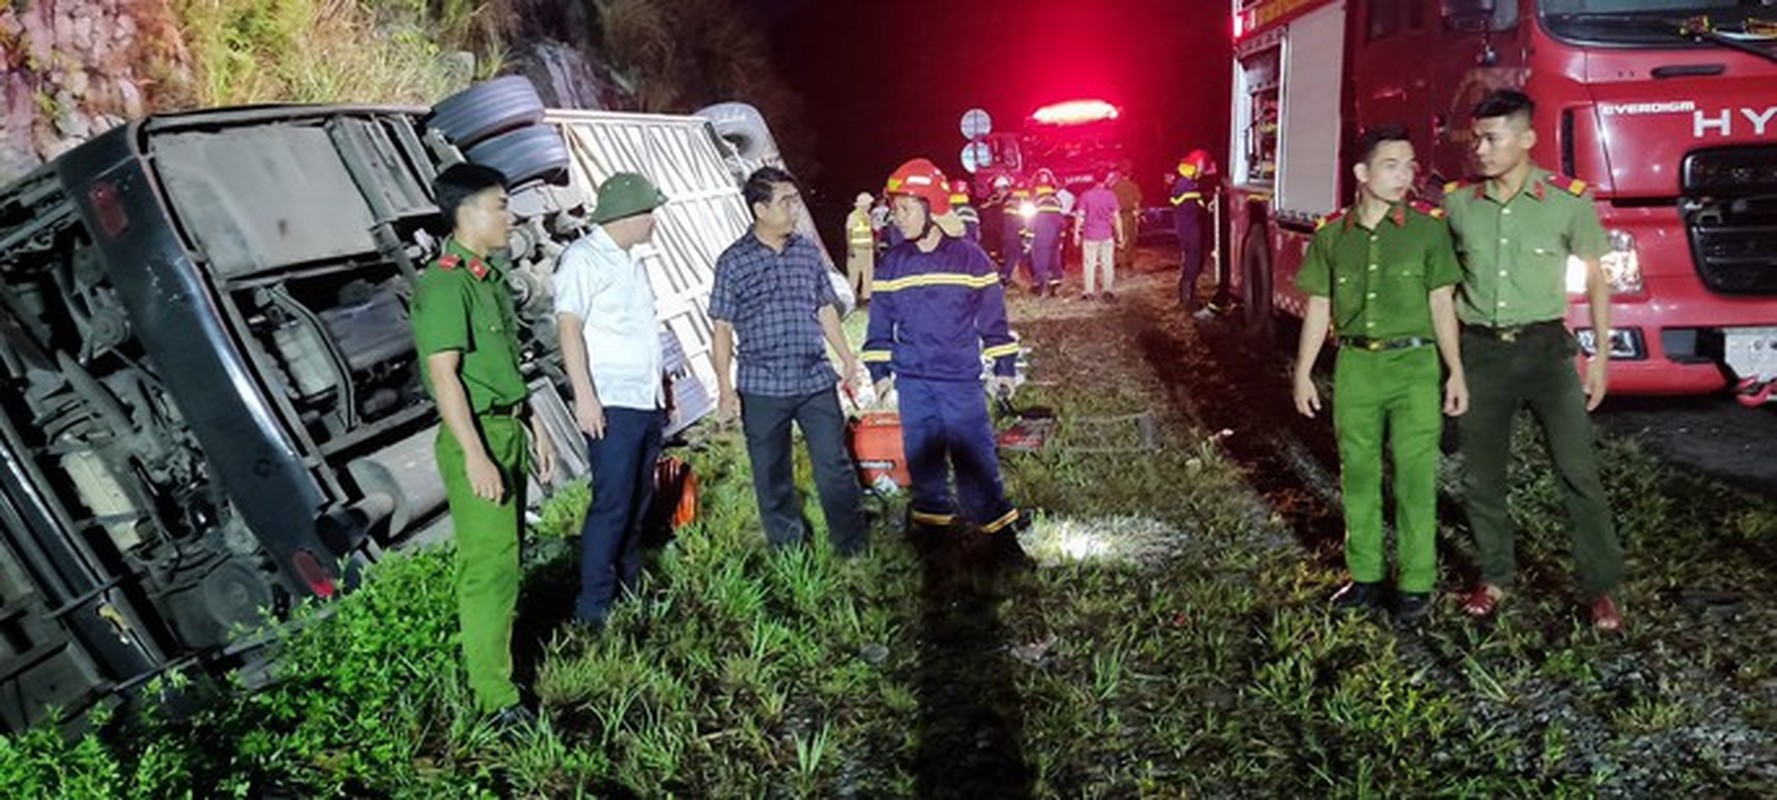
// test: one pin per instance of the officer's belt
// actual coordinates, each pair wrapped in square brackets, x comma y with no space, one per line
[514,410]
[1377,345]
[1511,333]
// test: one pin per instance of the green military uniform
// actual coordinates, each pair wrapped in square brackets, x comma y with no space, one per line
[461,303]
[1516,350]
[1387,377]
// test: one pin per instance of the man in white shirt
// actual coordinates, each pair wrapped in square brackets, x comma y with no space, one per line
[610,341]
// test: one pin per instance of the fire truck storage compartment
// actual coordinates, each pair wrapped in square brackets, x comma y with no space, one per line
[1308,147]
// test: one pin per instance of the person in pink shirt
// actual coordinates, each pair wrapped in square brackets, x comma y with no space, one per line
[1099,231]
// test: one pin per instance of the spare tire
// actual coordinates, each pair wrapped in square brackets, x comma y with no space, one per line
[525,155]
[487,109]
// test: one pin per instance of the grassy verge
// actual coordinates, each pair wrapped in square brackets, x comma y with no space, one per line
[1219,671]
[1175,642]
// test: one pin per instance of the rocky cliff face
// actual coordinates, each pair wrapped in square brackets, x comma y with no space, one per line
[74,68]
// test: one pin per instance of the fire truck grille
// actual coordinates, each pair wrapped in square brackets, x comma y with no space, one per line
[1736,260]
[1731,171]
[1732,222]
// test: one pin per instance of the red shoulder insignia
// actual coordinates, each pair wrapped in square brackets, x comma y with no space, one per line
[478,268]
[1479,186]
[1570,185]
[1333,217]
[1427,209]
[449,261]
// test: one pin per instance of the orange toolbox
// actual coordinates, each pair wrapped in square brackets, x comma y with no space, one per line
[876,444]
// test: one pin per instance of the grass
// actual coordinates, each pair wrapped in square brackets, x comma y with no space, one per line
[319,51]
[1186,652]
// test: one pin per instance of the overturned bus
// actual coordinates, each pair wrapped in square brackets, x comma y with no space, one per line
[212,406]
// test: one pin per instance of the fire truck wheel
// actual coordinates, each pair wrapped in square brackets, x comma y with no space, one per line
[487,109]
[525,155]
[1259,322]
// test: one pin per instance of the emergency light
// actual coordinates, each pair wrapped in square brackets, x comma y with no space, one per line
[1075,112]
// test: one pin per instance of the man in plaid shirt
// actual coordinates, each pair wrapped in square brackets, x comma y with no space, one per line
[773,291]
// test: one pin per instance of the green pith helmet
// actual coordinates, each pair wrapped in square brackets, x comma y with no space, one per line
[626,194]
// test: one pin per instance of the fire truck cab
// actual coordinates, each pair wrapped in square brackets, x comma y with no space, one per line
[1666,108]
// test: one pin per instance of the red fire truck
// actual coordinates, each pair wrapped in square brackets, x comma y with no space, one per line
[1667,108]
[1076,139]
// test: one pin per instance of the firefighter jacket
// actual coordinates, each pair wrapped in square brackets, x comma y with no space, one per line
[959,205]
[933,316]
[1187,199]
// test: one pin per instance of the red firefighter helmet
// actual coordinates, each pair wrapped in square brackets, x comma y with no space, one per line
[1045,177]
[922,179]
[1002,182]
[959,188]
[1194,164]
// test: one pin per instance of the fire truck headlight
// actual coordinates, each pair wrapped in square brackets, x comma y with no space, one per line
[1622,267]
[1027,209]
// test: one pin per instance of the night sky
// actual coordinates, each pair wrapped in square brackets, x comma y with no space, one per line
[886,81]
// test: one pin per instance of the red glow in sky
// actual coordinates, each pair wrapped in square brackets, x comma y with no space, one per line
[884,82]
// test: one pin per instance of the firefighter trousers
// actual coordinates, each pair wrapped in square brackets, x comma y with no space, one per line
[487,572]
[1012,252]
[1190,242]
[946,433]
[1045,249]
[1535,369]
[1392,393]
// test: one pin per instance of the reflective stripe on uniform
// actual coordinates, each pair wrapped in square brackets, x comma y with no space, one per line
[937,279]
[1001,351]
[1008,518]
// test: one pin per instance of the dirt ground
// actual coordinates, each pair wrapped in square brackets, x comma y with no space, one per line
[1714,435]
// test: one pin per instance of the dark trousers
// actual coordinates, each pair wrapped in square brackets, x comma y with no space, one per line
[622,486]
[1190,245]
[1045,249]
[1535,370]
[945,430]
[1012,249]
[766,422]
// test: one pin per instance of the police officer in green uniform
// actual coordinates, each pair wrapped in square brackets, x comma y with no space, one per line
[1383,274]
[1514,233]
[466,330]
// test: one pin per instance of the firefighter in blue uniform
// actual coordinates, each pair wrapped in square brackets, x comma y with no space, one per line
[959,205]
[1188,220]
[1013,230]
[1045,246]
[939,309]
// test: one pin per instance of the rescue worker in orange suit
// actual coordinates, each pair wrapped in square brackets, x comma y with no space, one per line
[1188,216]
[1047,227]
[939,310]
[959,205]
[860,241]
[1013,232]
